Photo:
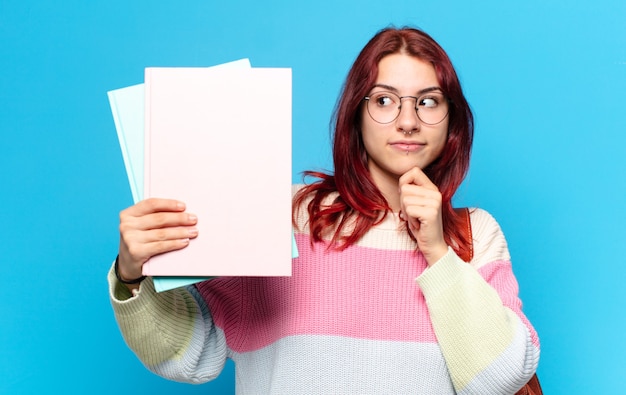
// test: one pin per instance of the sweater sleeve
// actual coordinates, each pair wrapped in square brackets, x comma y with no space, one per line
[172,332]
[487,342]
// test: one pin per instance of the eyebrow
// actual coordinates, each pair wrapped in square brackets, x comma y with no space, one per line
[395,90]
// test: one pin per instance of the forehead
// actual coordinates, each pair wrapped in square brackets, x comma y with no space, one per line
[406,73]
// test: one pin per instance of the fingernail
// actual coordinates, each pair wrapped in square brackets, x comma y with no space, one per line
[193,232]
[192,218]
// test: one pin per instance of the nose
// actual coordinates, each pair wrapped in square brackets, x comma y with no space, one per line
[407,121]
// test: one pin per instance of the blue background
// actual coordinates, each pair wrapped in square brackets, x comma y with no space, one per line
[546,82]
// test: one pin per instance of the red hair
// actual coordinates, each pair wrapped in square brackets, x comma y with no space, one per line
[359,199]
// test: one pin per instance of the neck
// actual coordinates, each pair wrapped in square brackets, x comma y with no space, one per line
[388,186]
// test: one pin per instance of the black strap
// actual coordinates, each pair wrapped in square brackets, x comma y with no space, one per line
[120,279]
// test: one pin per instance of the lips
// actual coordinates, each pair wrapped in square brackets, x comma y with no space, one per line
[407,146]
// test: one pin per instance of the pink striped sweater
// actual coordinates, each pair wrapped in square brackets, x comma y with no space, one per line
[369,320]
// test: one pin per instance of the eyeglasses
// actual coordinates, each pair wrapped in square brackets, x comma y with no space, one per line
[384,107]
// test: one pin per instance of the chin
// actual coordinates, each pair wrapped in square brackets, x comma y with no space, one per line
[410,166]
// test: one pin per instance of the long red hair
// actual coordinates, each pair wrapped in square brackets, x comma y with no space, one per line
[359,201]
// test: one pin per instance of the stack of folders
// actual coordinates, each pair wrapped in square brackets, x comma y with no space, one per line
[218,139]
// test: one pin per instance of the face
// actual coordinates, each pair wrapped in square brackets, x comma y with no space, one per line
[396,147]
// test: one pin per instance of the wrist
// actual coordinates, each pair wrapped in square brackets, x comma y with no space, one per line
[122,279]
[434,255]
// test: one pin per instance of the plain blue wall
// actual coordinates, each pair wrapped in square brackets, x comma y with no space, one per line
[546,82]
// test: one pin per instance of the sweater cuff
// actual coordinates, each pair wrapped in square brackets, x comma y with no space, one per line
[440,276]
[126,302]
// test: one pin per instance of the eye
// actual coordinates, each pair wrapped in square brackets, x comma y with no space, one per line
[431,100]
[428,102]
[384,99]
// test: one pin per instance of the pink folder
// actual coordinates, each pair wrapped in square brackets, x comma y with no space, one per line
[220,140]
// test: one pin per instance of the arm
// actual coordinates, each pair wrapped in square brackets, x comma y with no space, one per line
[172,332]
[488,344]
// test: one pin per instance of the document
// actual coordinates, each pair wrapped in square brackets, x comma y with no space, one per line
[127,108]
[220,140]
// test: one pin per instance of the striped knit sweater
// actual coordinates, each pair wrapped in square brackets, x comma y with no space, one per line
[372,319]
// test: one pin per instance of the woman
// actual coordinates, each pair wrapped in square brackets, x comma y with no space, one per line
[380,300]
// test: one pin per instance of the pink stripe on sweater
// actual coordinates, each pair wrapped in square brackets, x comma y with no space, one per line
[361,293]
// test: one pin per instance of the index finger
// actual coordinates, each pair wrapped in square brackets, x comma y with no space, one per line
[417,177]
[155,205]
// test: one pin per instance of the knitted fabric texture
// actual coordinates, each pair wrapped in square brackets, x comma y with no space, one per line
[372,319]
